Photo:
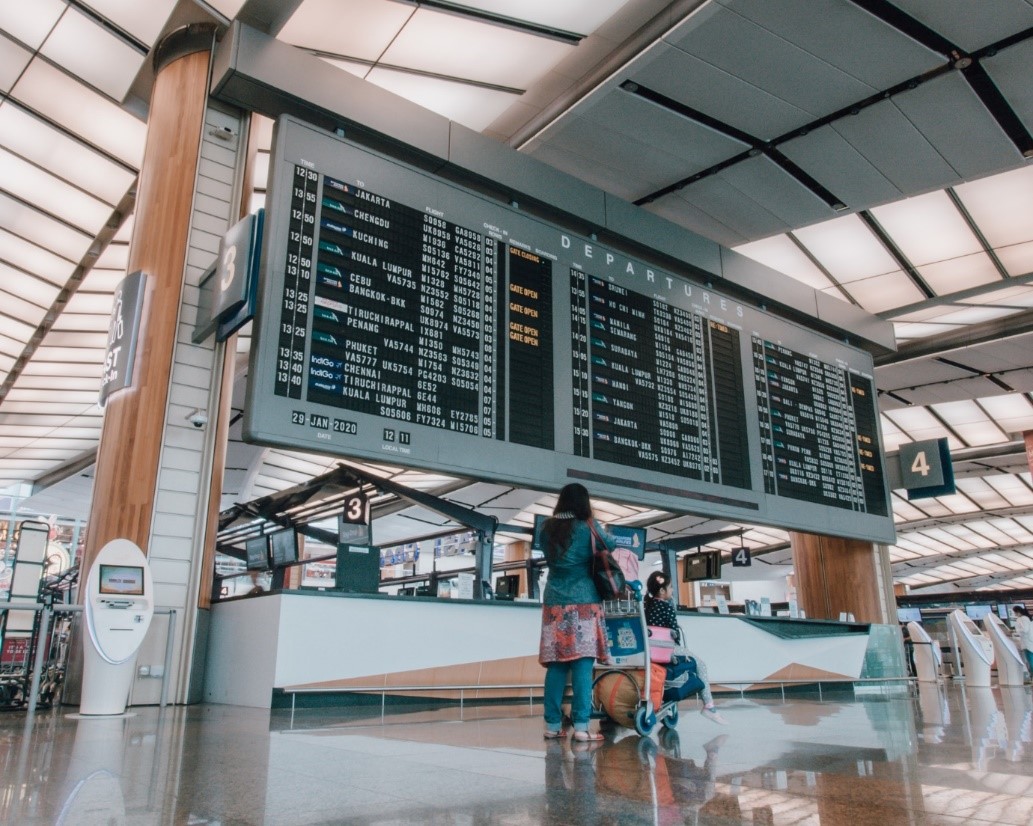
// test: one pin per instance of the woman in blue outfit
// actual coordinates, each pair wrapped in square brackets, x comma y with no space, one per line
[573,631]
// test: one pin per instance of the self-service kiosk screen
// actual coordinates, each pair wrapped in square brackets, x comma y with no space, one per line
[121,580]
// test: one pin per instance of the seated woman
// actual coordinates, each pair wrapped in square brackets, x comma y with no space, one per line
[660,612]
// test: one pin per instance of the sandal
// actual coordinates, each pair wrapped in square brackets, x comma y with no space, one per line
[553,734]
[587,736]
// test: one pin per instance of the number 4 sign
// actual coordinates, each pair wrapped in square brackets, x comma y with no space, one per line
[741,558]
[926,469]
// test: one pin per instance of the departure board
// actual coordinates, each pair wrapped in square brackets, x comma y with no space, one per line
[406,320]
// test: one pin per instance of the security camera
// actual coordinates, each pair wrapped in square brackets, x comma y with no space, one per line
[198,418]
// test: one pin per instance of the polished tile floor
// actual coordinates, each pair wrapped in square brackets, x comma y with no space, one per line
[936,755]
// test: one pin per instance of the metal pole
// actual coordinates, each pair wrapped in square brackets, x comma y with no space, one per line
[170,639]
[41,652]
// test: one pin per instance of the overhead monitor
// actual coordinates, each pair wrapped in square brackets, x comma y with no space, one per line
[406,320]
[977,612]
[256,550]
[283,547]
[702,565]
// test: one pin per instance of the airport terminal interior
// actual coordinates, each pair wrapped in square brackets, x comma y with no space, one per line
[841,189]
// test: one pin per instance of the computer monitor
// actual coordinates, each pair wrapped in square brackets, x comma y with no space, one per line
[977,612]
[537,540]
[909,615]
[257,551]
[121,580]
[283,547]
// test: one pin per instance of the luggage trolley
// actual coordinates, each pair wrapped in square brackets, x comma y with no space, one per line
[627,637]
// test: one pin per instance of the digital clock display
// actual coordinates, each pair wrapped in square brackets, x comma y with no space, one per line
[404,319]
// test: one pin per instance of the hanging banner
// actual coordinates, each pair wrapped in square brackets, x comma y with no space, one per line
[123,332]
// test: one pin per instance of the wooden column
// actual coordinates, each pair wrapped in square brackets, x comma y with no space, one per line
[834,575]
[134,419]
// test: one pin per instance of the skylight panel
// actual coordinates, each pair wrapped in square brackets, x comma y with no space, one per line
[970,422]
[370,30]
[927,228]
[1017,259]
[94,54]
[919,424]
[884,292]
[41,189]
[144,21]
[13,60]
[41,229]
[33,259]
[957,274]
[905,511]
[30,22]
[1011,488]
[981,493]
[781,254]
[1012,413]
[847,249]
[1001,205]
[579,16]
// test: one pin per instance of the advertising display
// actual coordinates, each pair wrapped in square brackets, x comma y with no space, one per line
[406,320]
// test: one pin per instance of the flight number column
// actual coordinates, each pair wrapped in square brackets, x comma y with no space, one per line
[581,409]
[294,306]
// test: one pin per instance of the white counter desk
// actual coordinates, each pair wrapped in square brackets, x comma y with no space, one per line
[261,647]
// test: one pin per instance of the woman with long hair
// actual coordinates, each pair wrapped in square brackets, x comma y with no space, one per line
[1024,628]
[573,631]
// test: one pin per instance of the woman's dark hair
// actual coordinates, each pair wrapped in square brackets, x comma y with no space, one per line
[1021,610]
[573,504]
[656,581]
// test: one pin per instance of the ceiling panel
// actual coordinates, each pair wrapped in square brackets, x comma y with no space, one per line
[885,137]
[765,183]
[828,157]
[13,60]
[769,62]
[969,25]
[970,140]
[731,100]
[370,30]
[1009,70]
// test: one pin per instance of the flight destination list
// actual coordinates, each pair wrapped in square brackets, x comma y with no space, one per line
[656,386]
[407,317]
[819,430]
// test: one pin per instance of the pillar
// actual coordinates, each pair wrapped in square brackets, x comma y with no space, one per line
[156,473]
[836,575]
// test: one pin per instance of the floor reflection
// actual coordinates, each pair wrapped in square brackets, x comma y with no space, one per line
[941,754]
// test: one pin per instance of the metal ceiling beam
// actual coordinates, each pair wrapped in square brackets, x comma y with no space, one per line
[907,567]
[973,335]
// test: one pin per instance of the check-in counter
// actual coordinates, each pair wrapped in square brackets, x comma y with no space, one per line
[263,646]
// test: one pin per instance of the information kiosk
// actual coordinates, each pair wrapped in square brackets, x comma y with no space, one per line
[977,652]
[928,657]
[1010,668]
[119,607]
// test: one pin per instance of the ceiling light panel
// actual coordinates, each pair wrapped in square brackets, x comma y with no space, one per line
[43,230]
[908,332]
[927,228]
[144,21]
[447,45]
[30,22]
[34,259]
[114,257]
[1001,205]
[94,54]
[780,253]
[102,280]
[365,31]
[1011,488]
[32,139]
[1017,259]
[26,288]
[963,414]
[580,16]
[884,292]
[956,274]
[474,107]
[81,110]
[1013,413]
[981,493]
[919,424]
[13,60]
[16,330]
[847,249]
[977,315]
[41,189]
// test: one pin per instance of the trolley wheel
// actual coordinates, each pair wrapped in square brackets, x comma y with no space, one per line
[645,719]
[670,720]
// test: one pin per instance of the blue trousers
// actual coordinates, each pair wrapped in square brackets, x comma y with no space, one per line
[580,673]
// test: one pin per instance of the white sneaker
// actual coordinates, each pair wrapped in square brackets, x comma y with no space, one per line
[713,715]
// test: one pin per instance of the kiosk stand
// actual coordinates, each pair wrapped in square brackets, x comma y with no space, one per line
[977,652]
[1010,667]
[927,654]
[119,607]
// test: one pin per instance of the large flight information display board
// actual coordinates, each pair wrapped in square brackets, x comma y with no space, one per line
[405,320]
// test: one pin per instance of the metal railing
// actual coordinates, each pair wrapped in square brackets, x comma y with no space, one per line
[43,631]
[533,688]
